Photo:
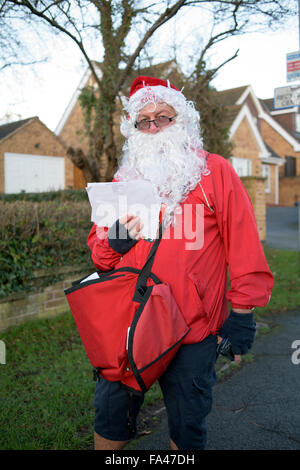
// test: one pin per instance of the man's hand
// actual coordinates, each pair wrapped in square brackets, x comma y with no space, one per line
[125,233]
[133,225]
[240,329]
[237,357]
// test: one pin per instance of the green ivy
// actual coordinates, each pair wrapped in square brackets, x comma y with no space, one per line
[43,235]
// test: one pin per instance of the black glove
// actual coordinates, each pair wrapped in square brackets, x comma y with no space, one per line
[119,238]
[240,329]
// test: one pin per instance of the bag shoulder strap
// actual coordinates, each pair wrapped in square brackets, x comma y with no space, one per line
[146,269]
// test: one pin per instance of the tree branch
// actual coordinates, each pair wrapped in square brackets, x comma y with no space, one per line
[52,22]
[212,72]
[22,63]
[164,17]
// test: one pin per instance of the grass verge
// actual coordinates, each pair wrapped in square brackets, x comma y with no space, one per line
[46,387]
[285,266]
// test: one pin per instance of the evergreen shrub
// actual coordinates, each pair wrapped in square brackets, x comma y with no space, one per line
[41,234]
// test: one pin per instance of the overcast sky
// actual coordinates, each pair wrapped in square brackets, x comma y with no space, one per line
[46,92]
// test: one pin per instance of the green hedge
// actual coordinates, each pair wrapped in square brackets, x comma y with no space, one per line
[41,235]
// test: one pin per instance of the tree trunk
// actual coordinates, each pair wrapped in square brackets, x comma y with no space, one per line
[82,162]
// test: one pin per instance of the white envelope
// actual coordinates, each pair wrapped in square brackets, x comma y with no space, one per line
[110,201]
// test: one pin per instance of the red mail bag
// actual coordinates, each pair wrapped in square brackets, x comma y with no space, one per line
[129,322]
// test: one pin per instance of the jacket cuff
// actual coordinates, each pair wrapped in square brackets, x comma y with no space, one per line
[248,307]
[119,239]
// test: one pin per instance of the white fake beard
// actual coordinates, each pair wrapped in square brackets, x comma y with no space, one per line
[169,159]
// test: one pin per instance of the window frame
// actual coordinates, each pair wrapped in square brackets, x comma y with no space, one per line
[267,176]
[290,169]
[237,160]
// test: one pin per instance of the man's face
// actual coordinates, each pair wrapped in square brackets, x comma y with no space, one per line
[151,112]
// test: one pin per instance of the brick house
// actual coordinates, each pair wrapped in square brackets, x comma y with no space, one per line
[266,143]
[253,154]
[32,158]
[281,129]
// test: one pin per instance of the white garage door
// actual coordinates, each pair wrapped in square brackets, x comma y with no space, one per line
[33,173]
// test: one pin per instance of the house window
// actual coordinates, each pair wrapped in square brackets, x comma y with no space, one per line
[290,166]
[242,166]
[265,171]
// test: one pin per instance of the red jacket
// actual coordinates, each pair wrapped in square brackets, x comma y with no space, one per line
[198,277]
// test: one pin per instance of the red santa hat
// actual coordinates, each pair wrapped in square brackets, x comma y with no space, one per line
[143,81]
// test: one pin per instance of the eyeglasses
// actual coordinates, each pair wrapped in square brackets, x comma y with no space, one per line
[161,121]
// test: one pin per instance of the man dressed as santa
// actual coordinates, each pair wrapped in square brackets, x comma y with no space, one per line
[163,145]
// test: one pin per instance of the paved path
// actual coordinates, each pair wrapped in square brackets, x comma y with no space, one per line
[259,406]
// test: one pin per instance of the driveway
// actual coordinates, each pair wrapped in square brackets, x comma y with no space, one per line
[282,228]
